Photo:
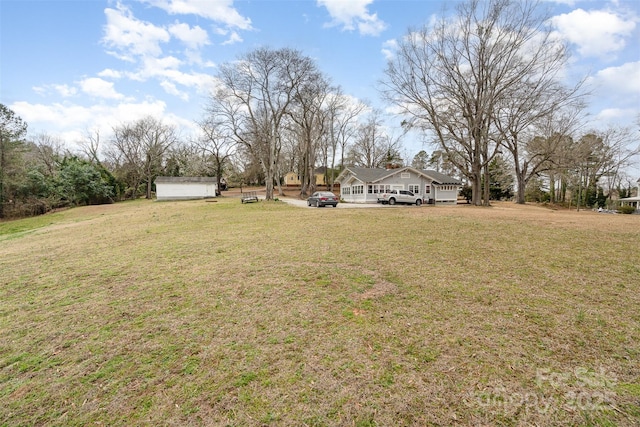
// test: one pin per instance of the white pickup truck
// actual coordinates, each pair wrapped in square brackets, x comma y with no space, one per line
[399,196]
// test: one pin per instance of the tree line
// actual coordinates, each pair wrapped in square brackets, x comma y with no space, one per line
[483,87]
[487,83]
[289,118]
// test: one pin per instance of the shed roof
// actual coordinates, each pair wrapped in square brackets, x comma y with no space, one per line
[186,179]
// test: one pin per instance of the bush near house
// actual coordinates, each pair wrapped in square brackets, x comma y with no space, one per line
[626,209]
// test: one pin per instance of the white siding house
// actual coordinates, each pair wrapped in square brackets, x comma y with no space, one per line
[633,201]
[364,185]
[185,187]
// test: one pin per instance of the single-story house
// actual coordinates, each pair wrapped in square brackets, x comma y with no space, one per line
[363,185]
[633,201]
[185,187]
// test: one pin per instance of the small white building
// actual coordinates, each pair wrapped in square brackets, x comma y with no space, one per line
[185,187]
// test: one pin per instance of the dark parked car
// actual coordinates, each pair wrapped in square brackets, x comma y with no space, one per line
[322,198]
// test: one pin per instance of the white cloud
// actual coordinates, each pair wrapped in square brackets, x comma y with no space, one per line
[110,74]
[608,116]
[73,118]
[597,33]
[63,90]
[99,88]
[371,25]
[389,48]
[194,37]
[616,94]
[171,89]
[131,37]
[221,11]
[624,80]
[234,37]
[354,14]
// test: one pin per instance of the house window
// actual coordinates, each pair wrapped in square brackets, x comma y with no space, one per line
[405,175]
[377,188]
[427,189]
[414,188]
[357,189]
[346,190]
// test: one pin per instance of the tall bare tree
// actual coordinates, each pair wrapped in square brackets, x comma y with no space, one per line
[309,113]
[450,78]
[373,147]
[344,112]
[255,95]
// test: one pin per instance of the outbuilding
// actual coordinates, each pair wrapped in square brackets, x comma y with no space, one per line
[185,187]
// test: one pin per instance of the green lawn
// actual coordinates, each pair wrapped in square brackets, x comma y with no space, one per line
[201,313]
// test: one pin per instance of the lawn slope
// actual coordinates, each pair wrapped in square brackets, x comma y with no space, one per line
[200,313]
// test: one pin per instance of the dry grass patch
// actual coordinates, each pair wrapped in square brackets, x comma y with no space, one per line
[197,313]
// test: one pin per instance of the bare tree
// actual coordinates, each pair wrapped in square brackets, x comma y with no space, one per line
[601,155]
[450,78]
[90,145]
[533,140]
[255,96]
[343,124]
[138,150]
[217,144]
[49,151]
[373,147]
[309,114]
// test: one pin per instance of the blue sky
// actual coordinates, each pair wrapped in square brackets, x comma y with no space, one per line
[67,66]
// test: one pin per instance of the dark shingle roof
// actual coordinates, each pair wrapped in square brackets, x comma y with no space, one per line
[441,178]
[377,174]
[369,174]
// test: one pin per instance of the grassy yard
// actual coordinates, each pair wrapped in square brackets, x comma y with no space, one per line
[198,313]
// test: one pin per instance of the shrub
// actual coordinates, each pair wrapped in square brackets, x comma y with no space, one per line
[626,209]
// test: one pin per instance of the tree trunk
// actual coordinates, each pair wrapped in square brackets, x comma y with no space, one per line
[149,184]
[522,186]
[520,180]
[476,186]
[487,184]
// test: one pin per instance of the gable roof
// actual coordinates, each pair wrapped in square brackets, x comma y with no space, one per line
[378,174]
[441,178]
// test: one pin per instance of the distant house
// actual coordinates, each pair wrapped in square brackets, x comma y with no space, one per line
[293,178]
[633,201]
[185,187]
[363,185]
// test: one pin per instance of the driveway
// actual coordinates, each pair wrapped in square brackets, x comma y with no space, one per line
[303,204]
